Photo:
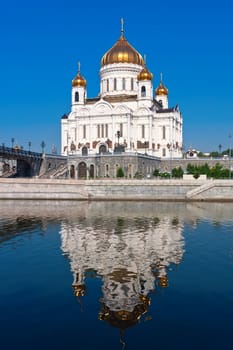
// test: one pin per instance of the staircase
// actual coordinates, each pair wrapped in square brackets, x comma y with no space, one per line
[192,193]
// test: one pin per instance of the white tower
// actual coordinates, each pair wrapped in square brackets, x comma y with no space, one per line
[145,92]
[78,90]
[162,93]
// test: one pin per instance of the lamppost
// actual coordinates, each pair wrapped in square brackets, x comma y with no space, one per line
[229,155]
[118,134]
[145,146]
[68,145]
[42,145]
[170,146]
[12,142]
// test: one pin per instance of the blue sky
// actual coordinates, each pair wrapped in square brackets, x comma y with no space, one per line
[42,41]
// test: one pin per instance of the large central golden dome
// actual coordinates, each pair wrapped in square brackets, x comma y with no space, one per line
[122,52]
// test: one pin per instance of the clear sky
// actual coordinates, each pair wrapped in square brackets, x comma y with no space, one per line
[41,41]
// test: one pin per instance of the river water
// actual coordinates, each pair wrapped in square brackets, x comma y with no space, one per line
[111,275]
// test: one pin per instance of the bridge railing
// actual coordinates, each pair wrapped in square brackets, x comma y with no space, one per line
[20,152]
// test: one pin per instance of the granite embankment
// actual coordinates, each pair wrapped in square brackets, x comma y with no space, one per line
[113,189]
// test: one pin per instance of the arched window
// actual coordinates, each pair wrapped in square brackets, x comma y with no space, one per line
[143,131]
[103,149]
[76,96]
[107,85]
[143,91]
[132,84]
[106,170]
[82,170]
[123,83]
[84,151]
[130,171]
[114,84]
[164,132]
[92,171]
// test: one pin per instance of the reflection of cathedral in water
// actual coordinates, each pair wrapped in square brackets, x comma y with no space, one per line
[130,255]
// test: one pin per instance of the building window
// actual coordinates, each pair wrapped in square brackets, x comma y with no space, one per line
[143,91]
[130,171]
[164,132]
[121,129]
[102,130]
[115,84]
[107,85]
[84,131]
[132,84]
[143,131]
[123,84]
[84,151]
[116,168]
[107,170]
[164,152]
[76,98]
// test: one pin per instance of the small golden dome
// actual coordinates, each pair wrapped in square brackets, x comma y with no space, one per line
[163,281]
[145,74]
[161,89]
[122,52]
[79,80]
[79,290]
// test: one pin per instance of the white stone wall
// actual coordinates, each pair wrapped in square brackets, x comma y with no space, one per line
[212,190]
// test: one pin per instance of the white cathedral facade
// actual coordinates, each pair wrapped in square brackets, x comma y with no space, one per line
[128,113]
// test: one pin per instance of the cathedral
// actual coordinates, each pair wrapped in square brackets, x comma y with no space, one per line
[128,116]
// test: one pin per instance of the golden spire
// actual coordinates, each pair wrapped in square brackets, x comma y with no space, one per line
[161,89]
[144,58]
[79,80]
[122,26]
[145,74]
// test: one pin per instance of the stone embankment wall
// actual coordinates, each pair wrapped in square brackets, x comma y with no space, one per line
[112,189]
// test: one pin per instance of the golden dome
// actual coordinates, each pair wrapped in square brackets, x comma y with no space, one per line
[161,89]
[145,74]
[122,52]
[79,80]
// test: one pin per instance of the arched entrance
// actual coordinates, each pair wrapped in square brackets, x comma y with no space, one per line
[103,149]
[72,172]
[92,169]
[82,170]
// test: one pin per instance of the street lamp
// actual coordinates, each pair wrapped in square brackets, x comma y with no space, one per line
[12,141]
[118,134]
[42,145]
[145,146]
[229,155]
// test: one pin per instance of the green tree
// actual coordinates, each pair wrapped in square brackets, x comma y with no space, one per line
[156,172]
[120,172]
[177,172]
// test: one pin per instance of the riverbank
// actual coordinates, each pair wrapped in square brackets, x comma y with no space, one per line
[114,189]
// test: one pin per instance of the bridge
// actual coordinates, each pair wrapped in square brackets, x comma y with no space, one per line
[30,164]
